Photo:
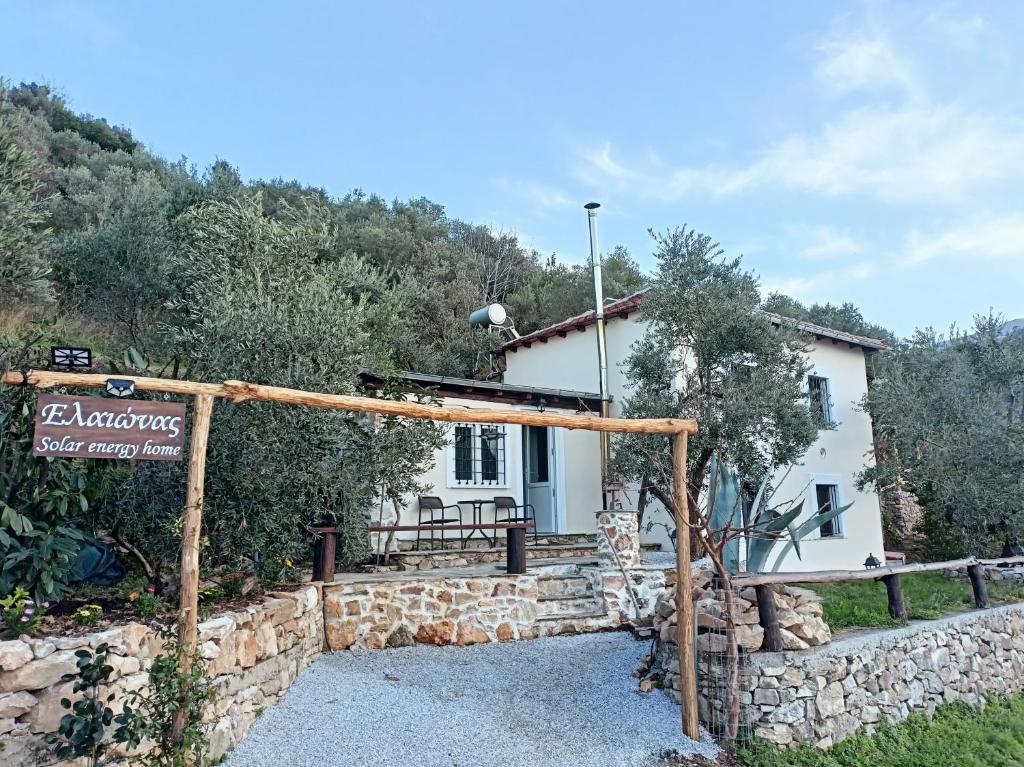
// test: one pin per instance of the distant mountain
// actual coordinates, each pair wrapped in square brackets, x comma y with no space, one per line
[1010,327]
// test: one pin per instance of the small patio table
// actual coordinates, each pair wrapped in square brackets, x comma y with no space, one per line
[478,519]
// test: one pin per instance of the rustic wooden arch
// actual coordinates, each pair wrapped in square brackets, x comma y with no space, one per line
[240,391]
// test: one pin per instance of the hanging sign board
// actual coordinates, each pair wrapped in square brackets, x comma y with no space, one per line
[97,427]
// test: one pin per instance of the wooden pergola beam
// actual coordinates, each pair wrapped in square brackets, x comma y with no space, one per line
[241,391]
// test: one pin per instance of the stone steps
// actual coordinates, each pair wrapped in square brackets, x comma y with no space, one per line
[560,586]
[568,596]
[569,607]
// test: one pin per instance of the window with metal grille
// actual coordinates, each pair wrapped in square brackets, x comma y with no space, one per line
[477,456]
[464,453]
[821,401]
[828,499]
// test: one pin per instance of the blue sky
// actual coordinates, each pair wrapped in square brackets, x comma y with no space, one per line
[850,151]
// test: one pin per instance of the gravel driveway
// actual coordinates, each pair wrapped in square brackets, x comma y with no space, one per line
[560,702]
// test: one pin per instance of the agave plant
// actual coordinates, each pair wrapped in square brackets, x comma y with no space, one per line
[765,525]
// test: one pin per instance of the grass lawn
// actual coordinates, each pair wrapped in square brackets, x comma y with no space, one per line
[862,604]
[956,736]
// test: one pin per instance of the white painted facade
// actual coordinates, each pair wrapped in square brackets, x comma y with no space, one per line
[569,361]
[571,474]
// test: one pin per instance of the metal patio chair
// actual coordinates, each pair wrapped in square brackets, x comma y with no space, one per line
[514,512]
[437,515]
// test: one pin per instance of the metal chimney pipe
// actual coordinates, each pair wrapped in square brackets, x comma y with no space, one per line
[602,343]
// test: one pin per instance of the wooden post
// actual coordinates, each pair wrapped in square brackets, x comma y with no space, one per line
[769,618]
[516,551]
[684,593]
[977,575]
[892,588]
[324,554]
[188,612]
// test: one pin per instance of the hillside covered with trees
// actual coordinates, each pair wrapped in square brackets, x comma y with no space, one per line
[98,228]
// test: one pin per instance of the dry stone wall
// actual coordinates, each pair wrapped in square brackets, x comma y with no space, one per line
[251,655]
[826,694]
[439,611]
[799,613]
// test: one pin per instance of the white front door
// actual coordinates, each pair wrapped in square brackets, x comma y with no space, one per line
[539,474]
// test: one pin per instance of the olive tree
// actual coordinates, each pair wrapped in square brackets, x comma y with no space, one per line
[24,271]
[711,354]
[263,303]
[949,414]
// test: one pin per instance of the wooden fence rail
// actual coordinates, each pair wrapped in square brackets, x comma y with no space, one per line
[241,391]
[764,586]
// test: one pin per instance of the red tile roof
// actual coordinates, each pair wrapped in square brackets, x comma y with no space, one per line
[623,307]
[619,308]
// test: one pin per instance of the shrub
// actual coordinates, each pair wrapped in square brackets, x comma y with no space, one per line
[233,585]
[20,614]
[39,537]
[147,605]
[87,615]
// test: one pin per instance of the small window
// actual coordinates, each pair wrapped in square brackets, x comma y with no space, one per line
[463,453]
[477,456]
[828,499]
[820,400]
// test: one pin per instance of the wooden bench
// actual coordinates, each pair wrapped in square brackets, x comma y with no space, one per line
[326,545]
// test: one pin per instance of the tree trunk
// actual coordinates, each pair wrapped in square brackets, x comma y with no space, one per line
[732,669]
[391,533]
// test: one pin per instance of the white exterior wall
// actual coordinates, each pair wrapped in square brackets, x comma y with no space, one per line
[571,363]
[572,472]
[835,458]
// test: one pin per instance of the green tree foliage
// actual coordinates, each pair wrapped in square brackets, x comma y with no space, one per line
[558,291]
[40,498]
[950,420]
[121,265]
[711,354]
[846,317]
[24,271]
[269,300]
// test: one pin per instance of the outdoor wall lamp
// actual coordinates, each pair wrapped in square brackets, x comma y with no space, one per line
[71,357]
[541,404]
[120,387]
[871,562]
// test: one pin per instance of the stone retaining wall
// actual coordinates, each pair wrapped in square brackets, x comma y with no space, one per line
[824,695]
[444,610]
[252,656]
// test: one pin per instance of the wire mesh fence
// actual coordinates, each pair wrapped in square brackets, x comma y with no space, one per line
[715,672]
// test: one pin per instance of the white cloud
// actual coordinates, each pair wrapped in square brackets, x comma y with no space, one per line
[820,286]
[863,63]
[543,199]
[917,152]
[826,243]
[989,237]
[960,31]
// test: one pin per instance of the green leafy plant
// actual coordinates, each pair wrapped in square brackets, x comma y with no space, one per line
[762,525]
[150,713]
[233,585]
[81,732]
[147,605]
[41,499]
[211,595]
[20,614]
[87,615]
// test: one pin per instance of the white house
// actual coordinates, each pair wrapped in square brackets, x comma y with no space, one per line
[550,469]
[565,356]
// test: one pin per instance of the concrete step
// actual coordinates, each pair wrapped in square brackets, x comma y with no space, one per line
[572,607]
[561,586]
[574,615]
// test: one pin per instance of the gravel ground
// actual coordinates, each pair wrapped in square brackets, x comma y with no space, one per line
[559,702]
